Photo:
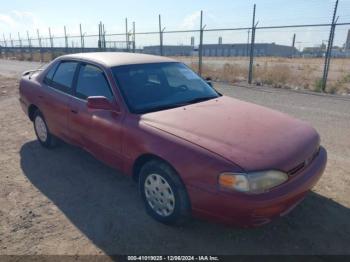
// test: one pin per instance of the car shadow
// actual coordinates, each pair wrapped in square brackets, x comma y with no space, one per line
[106,207]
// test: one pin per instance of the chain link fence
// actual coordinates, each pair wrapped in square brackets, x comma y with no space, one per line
[271,55]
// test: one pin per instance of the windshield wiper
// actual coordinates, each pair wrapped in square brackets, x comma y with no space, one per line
[199,99]
[164,107]
[159,108]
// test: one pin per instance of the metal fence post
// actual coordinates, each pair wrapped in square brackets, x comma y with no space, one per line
[65,39]
[101,36]
[12,47]
[5,43]
[251,59]
[40,46]
[293,45]
[160,36]
[30,47]
[20,46]
[51,44]
[200,47]
[133,37]
[104,37]
[329,48]
[126,34]
[99,43]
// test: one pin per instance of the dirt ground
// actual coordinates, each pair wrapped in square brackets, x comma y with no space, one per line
[63,201]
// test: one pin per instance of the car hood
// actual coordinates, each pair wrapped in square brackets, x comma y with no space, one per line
[251,136]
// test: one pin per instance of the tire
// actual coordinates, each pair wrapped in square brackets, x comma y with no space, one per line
[42,132]
[170,204]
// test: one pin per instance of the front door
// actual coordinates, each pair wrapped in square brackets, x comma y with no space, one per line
[98,131]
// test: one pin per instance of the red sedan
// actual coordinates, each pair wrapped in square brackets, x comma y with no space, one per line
[192,150]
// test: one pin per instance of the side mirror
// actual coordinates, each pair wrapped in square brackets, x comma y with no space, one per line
[209,81]
[100,102]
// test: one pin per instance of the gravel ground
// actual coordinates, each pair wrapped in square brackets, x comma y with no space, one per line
[63,201]
[15,68]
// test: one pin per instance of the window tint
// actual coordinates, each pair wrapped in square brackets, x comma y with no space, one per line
[92,82]
[64,75]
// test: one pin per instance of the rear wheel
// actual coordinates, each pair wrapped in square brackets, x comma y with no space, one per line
[163,193]
[42,132]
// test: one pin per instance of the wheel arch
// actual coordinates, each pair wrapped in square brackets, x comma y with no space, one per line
[143,159]
[31,110]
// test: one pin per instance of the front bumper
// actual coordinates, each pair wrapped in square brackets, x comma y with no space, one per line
[255,210]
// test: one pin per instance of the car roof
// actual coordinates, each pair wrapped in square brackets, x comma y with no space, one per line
[111,59]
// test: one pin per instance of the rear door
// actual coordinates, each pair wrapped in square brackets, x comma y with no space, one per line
[98,131]
[55,96]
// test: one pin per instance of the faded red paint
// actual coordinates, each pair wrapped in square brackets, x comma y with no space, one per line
[200,141]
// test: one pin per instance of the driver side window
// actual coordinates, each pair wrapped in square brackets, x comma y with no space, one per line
[92,82]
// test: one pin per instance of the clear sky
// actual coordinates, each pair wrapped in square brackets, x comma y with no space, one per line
[20,16]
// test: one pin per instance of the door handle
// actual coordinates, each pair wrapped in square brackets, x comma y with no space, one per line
[74,111]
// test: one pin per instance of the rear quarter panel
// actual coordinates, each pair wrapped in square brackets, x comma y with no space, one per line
[28,92]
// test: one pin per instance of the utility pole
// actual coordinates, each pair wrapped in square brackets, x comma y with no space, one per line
[81,39]
[126,34]
[160,36]
[104,37]
[329,48]
[12,47]
[11,41]
[99,43]
[51,44]
[65,39]
[251,60]
[200,47]
[51,40]
[101,36]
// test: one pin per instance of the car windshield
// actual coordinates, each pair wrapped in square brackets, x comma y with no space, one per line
[159,86]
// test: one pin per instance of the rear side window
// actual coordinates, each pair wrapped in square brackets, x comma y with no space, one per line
[63,77]
[92,82]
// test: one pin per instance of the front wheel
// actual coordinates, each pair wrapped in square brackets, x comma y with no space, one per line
[163,193]
[43,134]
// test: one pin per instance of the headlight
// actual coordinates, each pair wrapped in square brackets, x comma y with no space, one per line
[257,182]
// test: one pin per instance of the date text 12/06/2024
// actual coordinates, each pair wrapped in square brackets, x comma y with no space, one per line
[173,258]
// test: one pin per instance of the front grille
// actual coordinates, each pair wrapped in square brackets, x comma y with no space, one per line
[304,164]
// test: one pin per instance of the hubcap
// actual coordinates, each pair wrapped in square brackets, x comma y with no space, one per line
[159,195]
[40,128]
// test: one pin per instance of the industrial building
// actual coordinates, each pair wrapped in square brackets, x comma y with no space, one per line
[260,49]
[169,50]
[318,51]
[224,50]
